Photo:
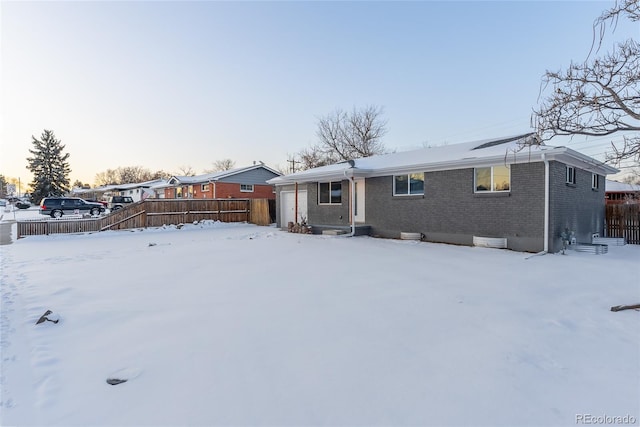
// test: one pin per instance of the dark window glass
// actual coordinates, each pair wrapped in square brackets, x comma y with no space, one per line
[416,183]
[401,184]
[336,192]
[330,192]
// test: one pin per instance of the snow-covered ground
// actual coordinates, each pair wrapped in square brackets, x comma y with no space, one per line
[235,324]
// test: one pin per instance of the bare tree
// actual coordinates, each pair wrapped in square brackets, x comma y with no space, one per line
[160,174]
[315,156]
[131,174]
[600,96]
[185,171]
[345,136]
[221,165]
[293,165]
[126,175]
[108,177]
[79,184]
[633,177]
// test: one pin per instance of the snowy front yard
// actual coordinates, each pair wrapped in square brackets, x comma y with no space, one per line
[235,324]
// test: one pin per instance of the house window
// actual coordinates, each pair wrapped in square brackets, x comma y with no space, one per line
[410,184]
[492,179]
[204,187]
[246,188]
[594,181]
[330,193]
[571,175]
[178,192]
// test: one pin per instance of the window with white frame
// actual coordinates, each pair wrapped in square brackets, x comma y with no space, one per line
[204,187]
[570,175]
[330,193]
[246,188]
[595,181]
[492,179]
[409,184]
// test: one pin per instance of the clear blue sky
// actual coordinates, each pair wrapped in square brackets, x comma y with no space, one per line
[167,84]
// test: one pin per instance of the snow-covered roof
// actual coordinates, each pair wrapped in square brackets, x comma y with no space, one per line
[507,150]
[145,184]
[154,183]
[621,186]
[215,176]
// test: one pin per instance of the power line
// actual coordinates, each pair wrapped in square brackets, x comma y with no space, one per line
[293,162]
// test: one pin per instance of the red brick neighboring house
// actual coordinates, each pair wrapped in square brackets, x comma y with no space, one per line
[619,193]
[243,183]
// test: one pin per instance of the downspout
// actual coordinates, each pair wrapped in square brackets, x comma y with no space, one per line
[295,221]
[214,190]
[352,184]
[546,203]
[352,200]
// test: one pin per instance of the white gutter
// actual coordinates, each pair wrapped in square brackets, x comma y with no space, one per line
[546,203]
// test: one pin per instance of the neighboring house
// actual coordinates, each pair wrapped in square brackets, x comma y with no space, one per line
[495,188]
[243,183]
[139,190]
[619,193]
[88,193]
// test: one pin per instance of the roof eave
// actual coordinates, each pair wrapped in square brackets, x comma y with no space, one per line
[579,160]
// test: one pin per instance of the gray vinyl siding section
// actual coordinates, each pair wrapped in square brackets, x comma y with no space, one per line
[257,176]
[451,212]
[576,207]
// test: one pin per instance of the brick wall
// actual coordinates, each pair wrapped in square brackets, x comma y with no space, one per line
[451,212]
[335,214]
[224,190]
[576,207]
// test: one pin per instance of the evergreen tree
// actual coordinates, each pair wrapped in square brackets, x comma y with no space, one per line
[3,187]
[49,166]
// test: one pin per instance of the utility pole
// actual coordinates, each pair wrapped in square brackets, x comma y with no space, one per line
[293,162]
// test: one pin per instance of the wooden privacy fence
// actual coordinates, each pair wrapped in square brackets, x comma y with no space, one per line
[156,213]
[623,221]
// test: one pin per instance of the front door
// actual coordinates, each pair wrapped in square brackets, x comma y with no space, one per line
[358,189]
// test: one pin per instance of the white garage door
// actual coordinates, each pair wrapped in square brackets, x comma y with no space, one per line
[288,206]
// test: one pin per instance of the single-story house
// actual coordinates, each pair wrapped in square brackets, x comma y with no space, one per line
[505,189]
[620,193]
[244,183]
[138,190]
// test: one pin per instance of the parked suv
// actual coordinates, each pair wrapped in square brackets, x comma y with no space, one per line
[118,202]
[58,206]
